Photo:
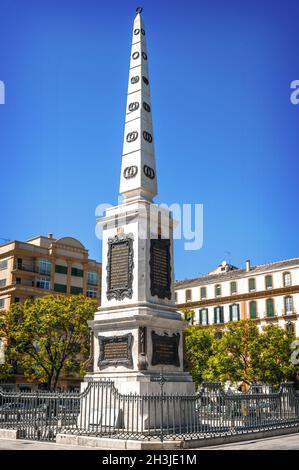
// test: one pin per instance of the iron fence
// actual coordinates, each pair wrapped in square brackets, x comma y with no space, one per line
[100,410]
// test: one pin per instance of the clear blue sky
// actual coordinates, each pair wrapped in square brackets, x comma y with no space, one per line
[226,134]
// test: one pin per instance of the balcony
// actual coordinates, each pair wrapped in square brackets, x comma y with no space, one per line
[35,283]
[272,316]
[28,267]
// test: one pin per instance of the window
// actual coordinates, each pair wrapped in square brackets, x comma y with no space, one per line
[44,266]
[176,297]
[92,278]
[2,282]
[268,282]
[60,269]
[286,279]
[270,308]
[234,313]
[251,283]
[188,295]
[92,292]
[43,283]
[204,316]
[218,315]
[77,272]
[290,328]
[203,293]
[2,302]
[76,290]
[18,280]
[3,264]
[60,287]
[17,300]
[252,310]
[233,287]
[288,305]
[217,290]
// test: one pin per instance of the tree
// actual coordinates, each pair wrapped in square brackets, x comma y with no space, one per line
[188,314]
[240,353]
[47,337]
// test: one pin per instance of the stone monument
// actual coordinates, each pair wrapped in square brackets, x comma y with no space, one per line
[138,332]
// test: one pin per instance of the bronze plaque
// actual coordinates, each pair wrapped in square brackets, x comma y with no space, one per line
[115,350]
[120,267]
[160,273]
[165,349]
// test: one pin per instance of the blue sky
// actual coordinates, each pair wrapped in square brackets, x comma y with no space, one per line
[226,133]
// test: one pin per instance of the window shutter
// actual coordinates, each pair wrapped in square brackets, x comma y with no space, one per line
[230,313]
[215,314]
[200,317]
[221,315]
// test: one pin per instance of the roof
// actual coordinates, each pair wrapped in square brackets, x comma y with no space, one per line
[236,273]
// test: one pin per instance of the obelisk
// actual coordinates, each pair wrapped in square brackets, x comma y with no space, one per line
[138,332]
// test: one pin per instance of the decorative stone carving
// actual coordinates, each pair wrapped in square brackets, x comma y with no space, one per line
[165,349]
[116,351]
[160,268]
[142,354]
[120,267]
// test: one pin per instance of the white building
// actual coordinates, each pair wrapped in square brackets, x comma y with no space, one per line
[268,293]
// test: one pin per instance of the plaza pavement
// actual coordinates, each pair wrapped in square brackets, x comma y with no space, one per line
[287,442]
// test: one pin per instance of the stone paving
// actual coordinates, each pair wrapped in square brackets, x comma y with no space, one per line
[288,442]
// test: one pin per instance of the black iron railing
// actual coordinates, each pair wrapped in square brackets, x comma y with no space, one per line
[100,410]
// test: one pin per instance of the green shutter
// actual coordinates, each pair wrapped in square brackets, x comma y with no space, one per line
[251,284]
[60,288]
[252,310]
[203,293]
[76,290]
[60,269]
[77,272]
[215,315]
[221,315]
[270,308]
[230,313]
[268,282]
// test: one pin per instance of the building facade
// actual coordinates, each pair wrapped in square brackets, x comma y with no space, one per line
[46,266]
[268,293]
[43,266]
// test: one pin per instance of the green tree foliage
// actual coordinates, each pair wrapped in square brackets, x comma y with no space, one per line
[240,353]
[47,337]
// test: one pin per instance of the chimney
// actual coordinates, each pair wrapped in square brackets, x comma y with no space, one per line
[50,235]
[247,265]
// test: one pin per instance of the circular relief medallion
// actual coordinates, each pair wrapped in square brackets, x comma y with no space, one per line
[147,136]
[146,107]
[145,80]
[135,79]
[142,32]
[133,106]
[144,55]
[136,31]
[132,136]
[130,171]
[149,172]
[135,55]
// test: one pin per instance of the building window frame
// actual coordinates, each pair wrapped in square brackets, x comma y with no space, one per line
[3,264]
[288,299]
[268,282]
[252,309]
[289,283]
[270,307]
[203,293]
[60,288]
[234,309]
[60,269]
[44,266]
[92,278]
[75,290]
[92,292]
[218,290]
[292,325]
[233,287]
[218,315]
[188,295]
[3,282]
[204,316]
[77,272]
[43,283]
[2,303]
[252,284]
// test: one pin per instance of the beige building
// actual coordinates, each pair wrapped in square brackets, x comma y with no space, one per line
[43,266]
[268,293]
